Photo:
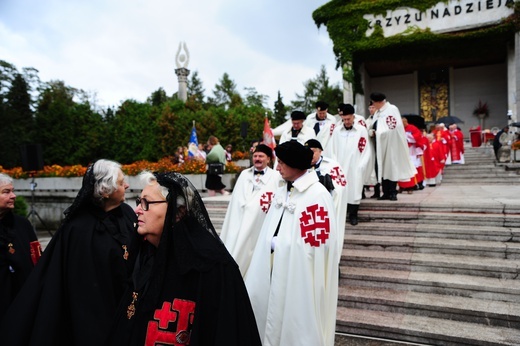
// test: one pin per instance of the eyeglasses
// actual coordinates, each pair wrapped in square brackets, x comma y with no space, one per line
[145,204]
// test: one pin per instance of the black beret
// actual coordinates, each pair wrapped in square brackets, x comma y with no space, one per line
[294,155]
[313,143]
[322,105]
[297,115]
[377,97]
[346,109]
[264,149]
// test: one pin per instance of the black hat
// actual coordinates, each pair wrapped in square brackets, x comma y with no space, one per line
[313,143]
[297,115]
[377,97]
[346,109]
[294,155]
[264,149]
[321,105]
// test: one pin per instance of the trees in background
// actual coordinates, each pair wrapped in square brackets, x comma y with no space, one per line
[72,130]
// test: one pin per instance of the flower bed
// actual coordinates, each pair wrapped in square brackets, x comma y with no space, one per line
[164,165]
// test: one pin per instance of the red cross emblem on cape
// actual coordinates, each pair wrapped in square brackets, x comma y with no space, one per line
[265,201]
[171,324]
[362,123]
[332,127]
[362,144]
[391,122]
[315,225]
[337,175]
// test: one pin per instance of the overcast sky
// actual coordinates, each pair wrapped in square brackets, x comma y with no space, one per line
[121,49]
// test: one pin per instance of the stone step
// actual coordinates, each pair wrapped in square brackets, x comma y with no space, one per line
[492,289]
[421,329]
[485,312]
[468,232]
[432,262]
[479,218]
[463,247]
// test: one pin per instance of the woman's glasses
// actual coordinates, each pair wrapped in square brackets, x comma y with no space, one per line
[145,204]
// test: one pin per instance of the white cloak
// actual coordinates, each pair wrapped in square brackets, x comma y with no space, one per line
[339,196]
[295,298]
[305,134]
[246,212]
[393,161]
[311,120]
[352,150]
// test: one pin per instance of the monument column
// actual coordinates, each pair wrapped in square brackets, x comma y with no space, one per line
[181,61]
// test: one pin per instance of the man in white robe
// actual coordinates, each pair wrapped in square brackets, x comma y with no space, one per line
[329,173]
[250,202]
[298,131]
[292,280]
[392,160]
[349,146]
[320,119]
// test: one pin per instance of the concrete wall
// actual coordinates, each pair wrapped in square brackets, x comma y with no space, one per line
[52,196]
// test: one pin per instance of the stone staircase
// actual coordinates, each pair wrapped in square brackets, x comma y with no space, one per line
[432,268]
[434,272]
[480,165]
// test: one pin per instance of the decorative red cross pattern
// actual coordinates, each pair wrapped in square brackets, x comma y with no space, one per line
[391,122]
[265,201]
[362,144]
[182,312]
[337,175]
[315,225]
[362,123]
[332,126]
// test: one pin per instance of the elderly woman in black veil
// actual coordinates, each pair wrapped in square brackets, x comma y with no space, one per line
[73,292]
[187,289]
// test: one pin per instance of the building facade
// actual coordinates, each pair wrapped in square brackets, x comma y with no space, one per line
[431,58]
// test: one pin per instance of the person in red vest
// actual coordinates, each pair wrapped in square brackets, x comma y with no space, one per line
[457,144]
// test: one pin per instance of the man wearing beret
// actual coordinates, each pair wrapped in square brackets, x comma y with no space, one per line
[298,132]
[349,146]
[392,160]
[292,280]
[250,202]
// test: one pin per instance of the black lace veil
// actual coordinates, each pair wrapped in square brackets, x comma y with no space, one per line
[84,196]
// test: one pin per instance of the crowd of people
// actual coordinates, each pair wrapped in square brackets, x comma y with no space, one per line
[160,273]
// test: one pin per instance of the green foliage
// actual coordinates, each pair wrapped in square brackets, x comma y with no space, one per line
[225,93]
[21,207]
[195,89]
[318,89]
[347,27]
[280,112]
[17,123]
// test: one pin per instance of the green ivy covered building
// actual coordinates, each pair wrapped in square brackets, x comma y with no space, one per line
[432,58]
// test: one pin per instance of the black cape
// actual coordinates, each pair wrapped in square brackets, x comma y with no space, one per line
[72,294]
[192,291]
[15,265]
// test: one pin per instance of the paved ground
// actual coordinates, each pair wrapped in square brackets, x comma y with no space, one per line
[348,340]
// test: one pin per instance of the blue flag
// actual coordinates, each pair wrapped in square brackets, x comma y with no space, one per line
[193,144]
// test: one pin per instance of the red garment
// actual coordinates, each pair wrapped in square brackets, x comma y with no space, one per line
[443,137]
[457,145]
[433,159]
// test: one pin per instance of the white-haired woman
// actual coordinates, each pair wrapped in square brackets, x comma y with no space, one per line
[16,238]
[186,288]
[72,294]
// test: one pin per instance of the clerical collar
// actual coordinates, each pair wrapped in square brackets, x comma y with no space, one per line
[347,128]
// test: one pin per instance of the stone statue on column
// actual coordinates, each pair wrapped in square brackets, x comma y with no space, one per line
[182,58]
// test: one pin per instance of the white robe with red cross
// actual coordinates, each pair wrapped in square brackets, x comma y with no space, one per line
[246,212]
[294,290]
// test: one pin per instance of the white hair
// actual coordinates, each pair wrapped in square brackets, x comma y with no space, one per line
[147,178]
[5,179]
[105,173]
